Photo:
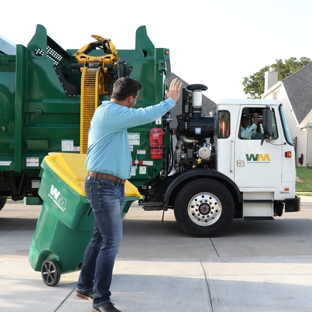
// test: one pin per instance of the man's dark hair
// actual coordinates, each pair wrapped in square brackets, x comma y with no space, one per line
[124,87]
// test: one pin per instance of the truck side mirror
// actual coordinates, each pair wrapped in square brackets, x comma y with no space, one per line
[267,124]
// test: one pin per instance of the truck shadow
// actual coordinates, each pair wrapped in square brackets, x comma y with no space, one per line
[278,227]
[155,240]
[16,224]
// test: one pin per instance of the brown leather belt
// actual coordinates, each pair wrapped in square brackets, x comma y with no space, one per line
[105,176]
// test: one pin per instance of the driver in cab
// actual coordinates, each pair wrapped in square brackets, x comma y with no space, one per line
[250,131]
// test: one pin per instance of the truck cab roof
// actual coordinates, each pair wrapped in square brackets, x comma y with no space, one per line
[248,102]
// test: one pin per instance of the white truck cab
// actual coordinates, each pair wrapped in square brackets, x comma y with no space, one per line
[263,165]
[237,163]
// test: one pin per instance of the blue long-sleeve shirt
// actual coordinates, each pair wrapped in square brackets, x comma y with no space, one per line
[108,145]
[249,132]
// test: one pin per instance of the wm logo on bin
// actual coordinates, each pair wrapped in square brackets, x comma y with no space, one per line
[57,198]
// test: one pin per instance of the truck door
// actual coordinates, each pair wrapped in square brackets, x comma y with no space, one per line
[256,165]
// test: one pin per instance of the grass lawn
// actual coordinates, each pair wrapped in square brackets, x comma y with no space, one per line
[304,181]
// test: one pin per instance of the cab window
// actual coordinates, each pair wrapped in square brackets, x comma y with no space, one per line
[251,124]
[285,126]
[223,124]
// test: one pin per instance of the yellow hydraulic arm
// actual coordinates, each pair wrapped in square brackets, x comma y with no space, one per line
[96,76]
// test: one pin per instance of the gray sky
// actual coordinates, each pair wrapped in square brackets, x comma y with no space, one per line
[212,42]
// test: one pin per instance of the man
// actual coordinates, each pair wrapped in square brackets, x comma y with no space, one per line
[109,165]
[249,132]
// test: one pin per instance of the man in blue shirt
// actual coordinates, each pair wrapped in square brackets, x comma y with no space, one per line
[249,132]
[109,165]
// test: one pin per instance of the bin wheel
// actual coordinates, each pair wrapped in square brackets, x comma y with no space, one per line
[50,272]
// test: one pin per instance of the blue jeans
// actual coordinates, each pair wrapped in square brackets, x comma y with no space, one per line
[106,199]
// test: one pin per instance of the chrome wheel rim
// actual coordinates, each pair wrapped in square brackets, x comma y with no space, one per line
[204,209]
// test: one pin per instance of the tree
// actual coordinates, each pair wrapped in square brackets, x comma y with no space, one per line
[254,84]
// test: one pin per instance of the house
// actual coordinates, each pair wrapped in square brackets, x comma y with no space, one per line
[295,93]
[207,104]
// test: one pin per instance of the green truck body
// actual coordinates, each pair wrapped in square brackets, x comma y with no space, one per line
[40,95]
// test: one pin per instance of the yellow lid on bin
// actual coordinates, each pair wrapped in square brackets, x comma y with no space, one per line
[71,168]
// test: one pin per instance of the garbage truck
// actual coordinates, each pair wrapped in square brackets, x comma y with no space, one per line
[48,96]
[202,169]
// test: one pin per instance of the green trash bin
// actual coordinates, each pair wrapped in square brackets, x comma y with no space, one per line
[65,223]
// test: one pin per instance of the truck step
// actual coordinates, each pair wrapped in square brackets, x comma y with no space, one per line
[257,218]
[154,206]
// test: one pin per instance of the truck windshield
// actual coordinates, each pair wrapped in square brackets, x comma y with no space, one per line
[285,125]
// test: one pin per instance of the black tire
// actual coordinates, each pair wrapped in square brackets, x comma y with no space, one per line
[2,202]
[204,208]
[50,272]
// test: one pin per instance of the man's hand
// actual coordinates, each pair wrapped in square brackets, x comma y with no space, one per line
[256,118]
[174,89]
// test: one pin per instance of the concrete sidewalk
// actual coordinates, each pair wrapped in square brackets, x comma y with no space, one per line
[255,266]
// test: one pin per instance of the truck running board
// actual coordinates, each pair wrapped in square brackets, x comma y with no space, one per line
[153,206]
[257,218]
[258,201]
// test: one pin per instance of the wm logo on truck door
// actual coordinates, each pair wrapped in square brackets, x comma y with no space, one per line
[58,198]
[258,157]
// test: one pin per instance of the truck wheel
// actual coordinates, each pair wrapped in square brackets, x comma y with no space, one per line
[204,208]
[2,202]
[50,272]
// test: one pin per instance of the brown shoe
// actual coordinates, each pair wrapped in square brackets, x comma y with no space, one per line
[84,294]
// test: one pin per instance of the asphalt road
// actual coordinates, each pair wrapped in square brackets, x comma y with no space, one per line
[255,266]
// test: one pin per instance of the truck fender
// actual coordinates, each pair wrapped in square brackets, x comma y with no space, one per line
[190,175]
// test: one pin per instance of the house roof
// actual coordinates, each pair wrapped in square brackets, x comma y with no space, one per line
[299,90]
[207,104]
